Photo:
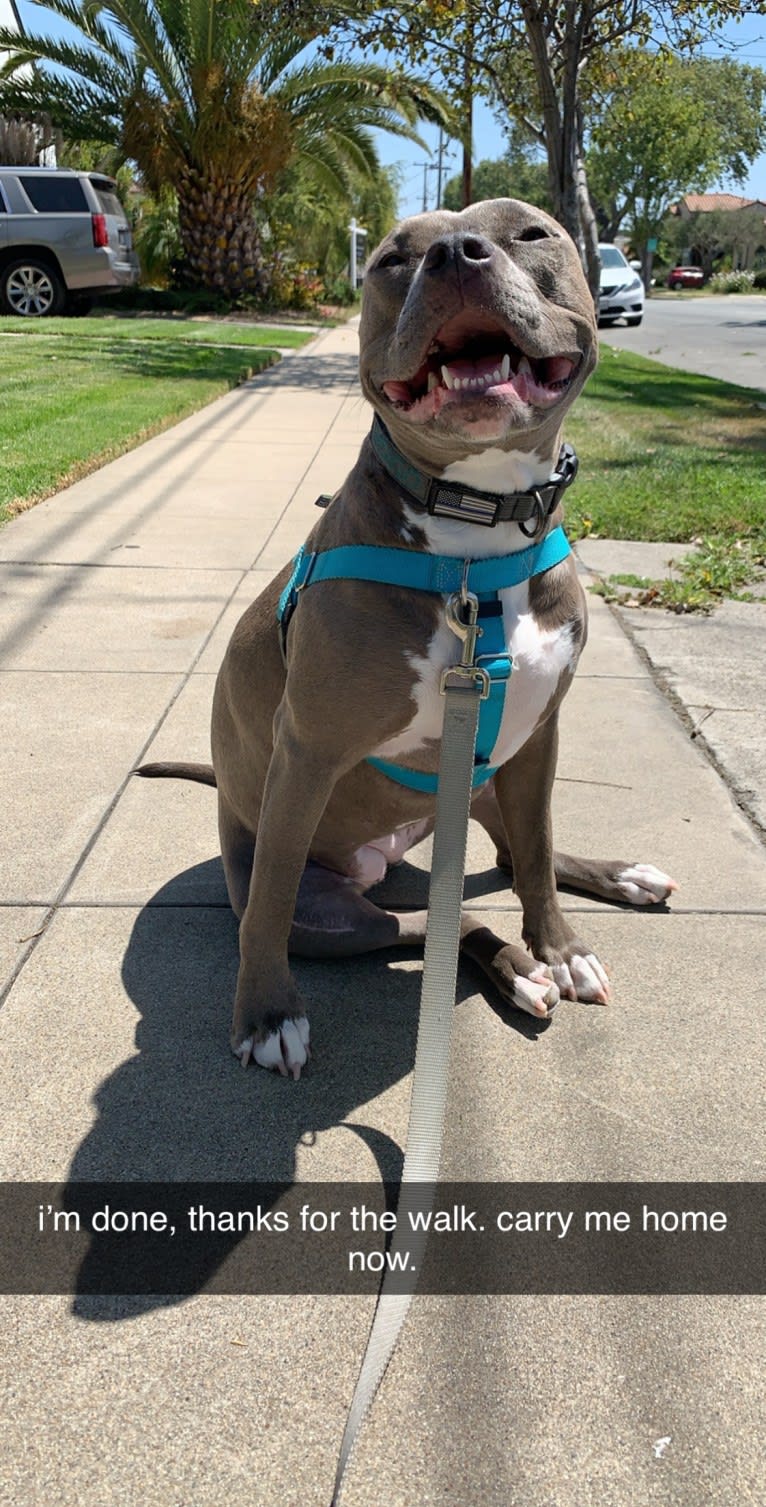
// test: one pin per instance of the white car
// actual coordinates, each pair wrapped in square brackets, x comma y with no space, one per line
[621,291]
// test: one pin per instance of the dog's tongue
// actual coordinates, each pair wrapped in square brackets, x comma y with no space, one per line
[484,367]
[559,368]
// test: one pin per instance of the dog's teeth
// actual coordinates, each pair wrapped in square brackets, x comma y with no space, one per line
[456,383]
[447,377]
[497,376]
[433,381]
[523,368]
[505,368]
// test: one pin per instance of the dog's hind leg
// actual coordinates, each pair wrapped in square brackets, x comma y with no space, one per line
[608,879]
[333,920]
[614,879]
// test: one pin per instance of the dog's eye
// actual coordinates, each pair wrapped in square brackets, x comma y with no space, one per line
[391,259]
[534,233]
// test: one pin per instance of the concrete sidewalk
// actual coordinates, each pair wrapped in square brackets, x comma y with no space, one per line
[712,668]
[118,958]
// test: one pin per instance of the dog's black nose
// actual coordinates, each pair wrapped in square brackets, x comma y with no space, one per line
[461,247]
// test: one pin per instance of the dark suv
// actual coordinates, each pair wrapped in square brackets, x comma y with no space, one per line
[64,236]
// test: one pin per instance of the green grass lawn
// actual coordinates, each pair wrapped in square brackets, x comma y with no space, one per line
[161,327]
[665,454]
[76,393]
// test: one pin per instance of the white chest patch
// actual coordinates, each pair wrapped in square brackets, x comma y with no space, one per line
[538,656]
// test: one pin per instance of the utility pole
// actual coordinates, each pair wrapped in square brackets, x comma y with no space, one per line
[440,169]
[425,187]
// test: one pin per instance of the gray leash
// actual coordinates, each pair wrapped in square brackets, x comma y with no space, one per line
[463,687]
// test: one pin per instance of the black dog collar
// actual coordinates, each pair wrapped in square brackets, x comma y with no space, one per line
[453,500]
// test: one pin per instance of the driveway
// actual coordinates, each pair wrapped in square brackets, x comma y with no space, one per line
[720,337]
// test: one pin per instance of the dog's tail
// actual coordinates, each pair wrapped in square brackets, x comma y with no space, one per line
[204,774]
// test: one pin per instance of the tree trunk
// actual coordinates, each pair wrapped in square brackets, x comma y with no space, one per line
[563,132]
[587,218]
[219,235]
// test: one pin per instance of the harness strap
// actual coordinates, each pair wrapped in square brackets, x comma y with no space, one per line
[418,779]
[438,574]
[412,568]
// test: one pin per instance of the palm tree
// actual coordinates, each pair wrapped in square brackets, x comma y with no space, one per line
[212,98]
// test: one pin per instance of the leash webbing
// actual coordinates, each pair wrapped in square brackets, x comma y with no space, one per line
[429,1085]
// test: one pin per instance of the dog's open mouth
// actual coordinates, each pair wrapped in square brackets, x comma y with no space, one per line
[473,356]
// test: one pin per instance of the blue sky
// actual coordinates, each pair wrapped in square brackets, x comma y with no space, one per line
[748,36]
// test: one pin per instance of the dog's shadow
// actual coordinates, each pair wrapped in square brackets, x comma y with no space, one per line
[183,1110]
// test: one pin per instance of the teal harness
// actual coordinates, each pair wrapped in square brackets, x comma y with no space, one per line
[440,575]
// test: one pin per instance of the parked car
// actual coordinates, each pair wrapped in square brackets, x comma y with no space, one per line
[686,277]
[621,291]
[64,236]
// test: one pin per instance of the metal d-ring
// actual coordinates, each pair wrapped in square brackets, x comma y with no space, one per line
[539,516]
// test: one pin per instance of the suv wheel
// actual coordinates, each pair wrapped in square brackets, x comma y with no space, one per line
[31,288]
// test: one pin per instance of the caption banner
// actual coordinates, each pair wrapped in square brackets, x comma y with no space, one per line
[176,1238]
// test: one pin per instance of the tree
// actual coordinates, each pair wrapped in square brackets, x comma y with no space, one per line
[515,176]
[310,225]
[675,126]
[541,61]
[213,98]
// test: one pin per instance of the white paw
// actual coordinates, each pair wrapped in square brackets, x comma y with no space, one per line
[643,884]
[582,978]
[537,994]
[285,1051]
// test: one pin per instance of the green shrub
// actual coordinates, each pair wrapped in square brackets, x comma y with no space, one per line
[759,279]
[338,290]
[292,285]
[732,282]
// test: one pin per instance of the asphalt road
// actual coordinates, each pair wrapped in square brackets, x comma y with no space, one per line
[720,337]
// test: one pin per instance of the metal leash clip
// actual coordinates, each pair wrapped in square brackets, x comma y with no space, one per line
[455,676]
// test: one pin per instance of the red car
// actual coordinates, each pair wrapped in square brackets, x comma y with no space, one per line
[686,277]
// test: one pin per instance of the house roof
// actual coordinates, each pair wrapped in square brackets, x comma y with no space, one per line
[700,203]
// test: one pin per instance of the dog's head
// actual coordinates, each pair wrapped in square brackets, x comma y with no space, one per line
[477,329]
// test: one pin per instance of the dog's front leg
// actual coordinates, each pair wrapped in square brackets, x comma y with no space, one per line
[269,1021]
[523,787]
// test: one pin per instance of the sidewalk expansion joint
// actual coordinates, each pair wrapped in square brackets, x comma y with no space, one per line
[596,908]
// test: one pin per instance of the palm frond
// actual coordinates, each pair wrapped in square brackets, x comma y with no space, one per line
[144,23]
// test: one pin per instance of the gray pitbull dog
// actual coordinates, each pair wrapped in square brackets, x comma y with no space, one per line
[477,333]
